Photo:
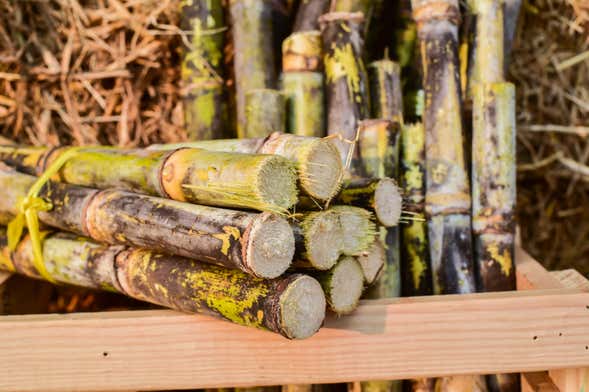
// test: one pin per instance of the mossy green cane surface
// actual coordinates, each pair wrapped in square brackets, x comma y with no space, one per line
[447,199]
[281,305]
[306,108]
[417,274]
[494,185]
[487,51]
[346,82]
[202,68]
[260,244]
[385,89]
[319,168]
[265,112]
[260,182]
[253,51]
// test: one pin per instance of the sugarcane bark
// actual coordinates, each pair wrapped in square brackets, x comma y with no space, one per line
[385,90]
[346,78]
[494,185]
[305,103]
[207,234]
[253,51]
[364,6]
[417,273]
[511,15]
[447,200]
[487,61]
[302,52]
[265,112]
[176,282]
[193,175]
[308,14]
[202,69]
[194,287]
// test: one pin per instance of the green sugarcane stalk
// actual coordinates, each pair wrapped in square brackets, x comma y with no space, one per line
[346,78]
[260,182]
[302,83]
[308,14]
[265,112]
[378,156]
[447,199]
[385,90]
[293,305]
[259,244]
[253,51]
[202,68]
[319,167]
[494,185]
[417,273]
[487,51]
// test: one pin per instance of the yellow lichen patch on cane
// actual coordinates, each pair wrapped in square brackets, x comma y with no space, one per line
[415,233]
[229,231]
[343,63]
[504,259]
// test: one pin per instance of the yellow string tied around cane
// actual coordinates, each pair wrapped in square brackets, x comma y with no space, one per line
[28,210]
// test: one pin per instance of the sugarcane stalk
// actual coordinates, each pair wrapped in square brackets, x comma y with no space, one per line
[343,285]
[298,387]
[386,94]
[511,15]
[259,244]
[253,51]
[487,51]
[322,237]
[364,6]
[380,195]
[319,167]
[372,261]
[378,156]
[417,273]
[265,112]
[302,83]
[447,199]
[494,196]
[346,78]
[202,68]
[494,185]
[260,182]
[308,14]
[293,305]
[302,52]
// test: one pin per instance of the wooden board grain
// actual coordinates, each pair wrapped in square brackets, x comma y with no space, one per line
[384,339]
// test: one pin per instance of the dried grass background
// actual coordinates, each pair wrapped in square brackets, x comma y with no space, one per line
[107,71]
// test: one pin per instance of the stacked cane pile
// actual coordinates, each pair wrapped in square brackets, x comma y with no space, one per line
[236,228]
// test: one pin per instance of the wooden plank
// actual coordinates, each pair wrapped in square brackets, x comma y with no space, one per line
[385,339]
[538,382]
[532,275]
[572,379]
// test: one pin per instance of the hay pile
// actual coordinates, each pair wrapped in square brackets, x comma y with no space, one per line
[107,71]
[87,72]
[550,65]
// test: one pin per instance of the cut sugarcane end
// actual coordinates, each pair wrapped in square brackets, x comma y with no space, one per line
[270,246]
[372,261]
[347,283]
[388,202]
[321,170]
[302,307]
[323,237]
[277,182]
